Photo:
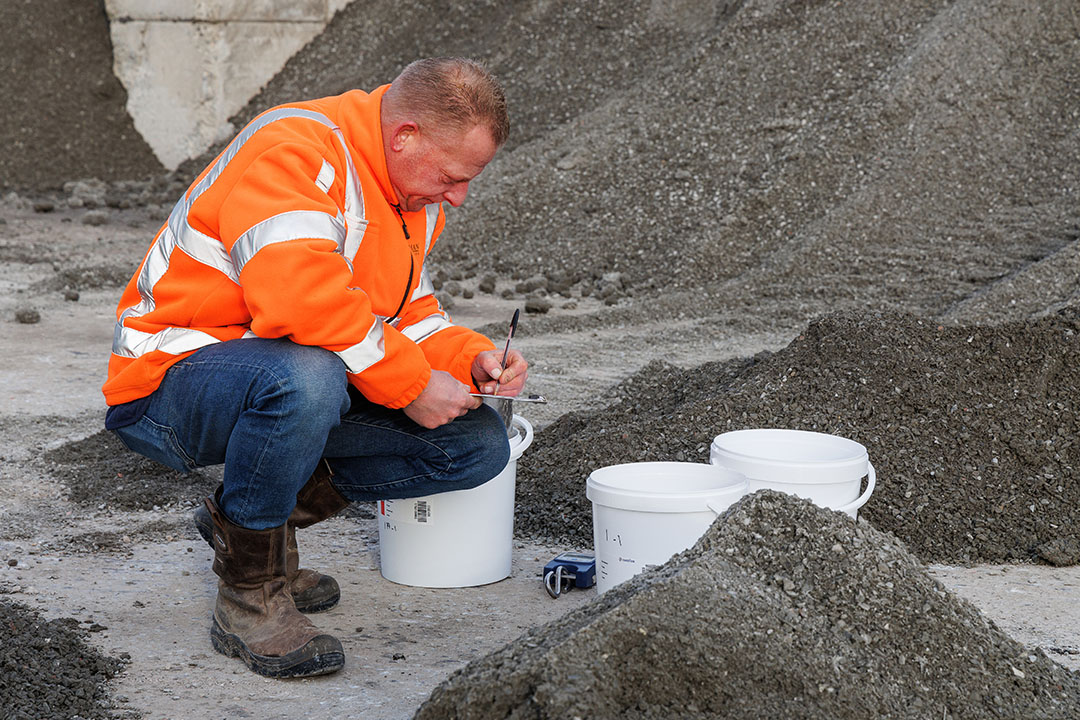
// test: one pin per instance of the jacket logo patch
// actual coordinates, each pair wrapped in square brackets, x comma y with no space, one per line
[415,247]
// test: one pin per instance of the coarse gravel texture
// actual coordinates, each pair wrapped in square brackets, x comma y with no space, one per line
[64,116]
[712,157]
[100,469]
[48,671]
[971,429]
[732,159]
[781,610]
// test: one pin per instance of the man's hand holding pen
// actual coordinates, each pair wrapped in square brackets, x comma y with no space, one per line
[488,374]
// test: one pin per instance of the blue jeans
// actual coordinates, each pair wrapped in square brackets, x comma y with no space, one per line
[271,409]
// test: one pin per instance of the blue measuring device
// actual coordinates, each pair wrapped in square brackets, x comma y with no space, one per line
[567,570]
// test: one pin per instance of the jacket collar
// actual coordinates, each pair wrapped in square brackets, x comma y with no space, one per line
[360,122]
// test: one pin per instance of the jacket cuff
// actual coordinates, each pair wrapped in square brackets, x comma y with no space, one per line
[395,401]
[412,392]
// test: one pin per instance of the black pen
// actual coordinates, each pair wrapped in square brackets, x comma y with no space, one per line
[506,352]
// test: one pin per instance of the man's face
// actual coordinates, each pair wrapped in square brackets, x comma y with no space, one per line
[434,167]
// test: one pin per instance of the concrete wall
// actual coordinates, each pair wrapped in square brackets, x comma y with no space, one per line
[188,65]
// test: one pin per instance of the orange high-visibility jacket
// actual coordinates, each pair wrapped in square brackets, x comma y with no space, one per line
[291,233]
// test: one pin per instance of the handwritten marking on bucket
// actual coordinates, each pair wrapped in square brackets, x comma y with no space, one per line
[643,513]
[825,469]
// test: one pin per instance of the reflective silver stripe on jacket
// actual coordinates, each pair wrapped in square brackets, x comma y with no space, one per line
[367,352]
[355,211]
[425,287]
[422,330]
[287,226]
[171,340]
[179,234]
[326,175]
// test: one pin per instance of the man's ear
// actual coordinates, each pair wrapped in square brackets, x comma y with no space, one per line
[404,133]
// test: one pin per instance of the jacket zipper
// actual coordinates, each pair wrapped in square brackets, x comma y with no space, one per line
[412,267]
[397,209]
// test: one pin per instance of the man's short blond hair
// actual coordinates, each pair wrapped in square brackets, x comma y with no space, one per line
[450,93]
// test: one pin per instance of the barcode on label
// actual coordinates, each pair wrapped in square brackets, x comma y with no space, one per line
[421,511]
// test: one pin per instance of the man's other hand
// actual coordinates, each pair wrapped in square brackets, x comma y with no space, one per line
[443,399]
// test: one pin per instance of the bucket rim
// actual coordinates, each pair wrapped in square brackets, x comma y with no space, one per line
[858,457]
[611,495]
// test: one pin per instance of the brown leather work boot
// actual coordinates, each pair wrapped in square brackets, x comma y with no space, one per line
[255,619]
[317,500]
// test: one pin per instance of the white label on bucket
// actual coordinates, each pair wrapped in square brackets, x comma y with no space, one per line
[415,511]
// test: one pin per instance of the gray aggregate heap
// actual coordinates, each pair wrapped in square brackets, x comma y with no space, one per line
[972,430]
[100,469]
[782,610]
[49,672]
[812,155]
[64,116]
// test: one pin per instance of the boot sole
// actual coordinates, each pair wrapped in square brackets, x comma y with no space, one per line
[205,526]
[322,655]
[316,606]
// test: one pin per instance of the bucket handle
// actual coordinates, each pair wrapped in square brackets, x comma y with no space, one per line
[528,428]
[861,500]
[719,507]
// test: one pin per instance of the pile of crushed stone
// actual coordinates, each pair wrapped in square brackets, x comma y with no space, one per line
[49,672]
[684,159]
[819,155]
[972,430]
[782,609]
[100,470]
[64,117]
[868,154]
[755,161]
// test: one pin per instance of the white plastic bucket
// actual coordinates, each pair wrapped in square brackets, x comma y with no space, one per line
[643,513]
[454,539]
[825,469]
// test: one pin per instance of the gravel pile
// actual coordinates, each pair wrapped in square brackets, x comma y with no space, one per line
[680,158]
[49,672]
[101,470]
[64,116]
[972,430]
[781,610]
[727,155]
